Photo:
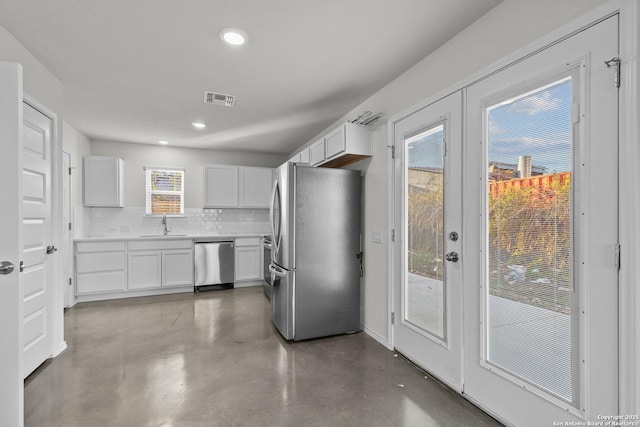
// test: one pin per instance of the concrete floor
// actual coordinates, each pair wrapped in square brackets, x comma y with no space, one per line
[214,359]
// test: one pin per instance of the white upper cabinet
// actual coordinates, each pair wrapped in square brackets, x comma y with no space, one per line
[316,153]
[237,186]
[255,187]
[103,181]
[304,155]
[335,142]
[347,144]
[301,157]
[221,186]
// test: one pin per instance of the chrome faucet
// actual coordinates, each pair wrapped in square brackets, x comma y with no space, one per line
[164,223]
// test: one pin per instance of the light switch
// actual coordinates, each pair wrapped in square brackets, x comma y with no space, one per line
[376,235]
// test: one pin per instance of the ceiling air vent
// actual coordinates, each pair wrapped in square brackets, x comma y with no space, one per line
[219,99]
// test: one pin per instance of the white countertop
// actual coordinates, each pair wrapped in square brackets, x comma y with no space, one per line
[170,236]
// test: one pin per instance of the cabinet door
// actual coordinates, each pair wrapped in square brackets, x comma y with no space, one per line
[177,268]
[248,263]
[144,269]
[316,153]
[255,187]
[102,181]
[221,186]
[335,142]
[304,155]
[294,159]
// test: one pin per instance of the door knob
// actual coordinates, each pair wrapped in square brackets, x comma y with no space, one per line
[6,267]
[451,256]
[51,249]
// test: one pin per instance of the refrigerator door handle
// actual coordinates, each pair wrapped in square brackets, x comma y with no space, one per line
[277,270]
[274,238]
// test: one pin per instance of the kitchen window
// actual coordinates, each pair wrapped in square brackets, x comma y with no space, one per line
[164,191]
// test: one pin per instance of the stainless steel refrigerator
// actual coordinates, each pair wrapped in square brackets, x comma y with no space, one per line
[315,261]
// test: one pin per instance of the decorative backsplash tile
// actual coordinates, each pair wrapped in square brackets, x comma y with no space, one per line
[93,222]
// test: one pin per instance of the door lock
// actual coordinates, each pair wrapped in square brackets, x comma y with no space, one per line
[51,249]
[451,257]
[453,236]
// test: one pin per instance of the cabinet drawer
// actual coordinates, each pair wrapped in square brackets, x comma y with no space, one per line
[154,245]
[100,282]
[100,246]
[94,262]
[248,241]
[335,142]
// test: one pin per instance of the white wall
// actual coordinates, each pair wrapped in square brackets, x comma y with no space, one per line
[136,156]
[508,27]
[42,86]
[77,145]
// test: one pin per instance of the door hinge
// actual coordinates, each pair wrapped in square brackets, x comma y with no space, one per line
[617,256]
[69,226]
[69,281]
[393,235]
[393,318]
[21,266]
[615,62]
[393,151]
[69,171]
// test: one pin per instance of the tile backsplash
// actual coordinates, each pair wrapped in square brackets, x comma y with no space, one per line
[93,222]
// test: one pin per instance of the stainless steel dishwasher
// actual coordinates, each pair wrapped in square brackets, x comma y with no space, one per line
[214,264]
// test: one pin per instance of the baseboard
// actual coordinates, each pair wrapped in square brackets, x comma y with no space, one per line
[132,294]
[62,347]
[248,284]
[376,336]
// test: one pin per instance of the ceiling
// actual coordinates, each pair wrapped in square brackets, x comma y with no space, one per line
[136,71]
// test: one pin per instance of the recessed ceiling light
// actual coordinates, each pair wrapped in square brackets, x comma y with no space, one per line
[198,125]
[163,142]
[233,36]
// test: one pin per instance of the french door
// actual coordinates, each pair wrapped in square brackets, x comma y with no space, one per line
[428,316]
[520,312]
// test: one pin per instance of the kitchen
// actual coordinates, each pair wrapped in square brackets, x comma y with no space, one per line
[480,44]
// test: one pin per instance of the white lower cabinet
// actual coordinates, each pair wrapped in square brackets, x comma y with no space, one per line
[177,268]
[248,259]
[138,267]
[155,264]
[100,267]
[144,269]
[115,269]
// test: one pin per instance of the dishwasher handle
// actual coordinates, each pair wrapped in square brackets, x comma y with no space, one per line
[277,270]
[217,242]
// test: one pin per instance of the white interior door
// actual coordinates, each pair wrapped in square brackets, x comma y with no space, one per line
[428,288]
[540,293]
[11,385]
[67,234]
[38,252]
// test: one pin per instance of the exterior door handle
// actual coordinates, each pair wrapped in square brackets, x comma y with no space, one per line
[51,249]
[451,257]
[6,267]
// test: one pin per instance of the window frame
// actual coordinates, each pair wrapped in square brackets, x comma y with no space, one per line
[148,170]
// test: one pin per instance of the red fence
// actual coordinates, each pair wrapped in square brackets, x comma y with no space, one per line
[539,181]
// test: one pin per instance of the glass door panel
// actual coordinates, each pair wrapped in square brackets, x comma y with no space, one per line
[425,282]
[530,298]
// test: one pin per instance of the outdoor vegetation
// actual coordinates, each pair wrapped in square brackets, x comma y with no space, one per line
[530,244]
[425,232]
[529,241]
